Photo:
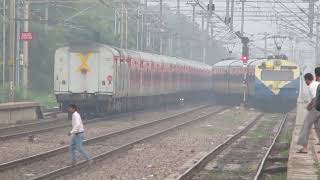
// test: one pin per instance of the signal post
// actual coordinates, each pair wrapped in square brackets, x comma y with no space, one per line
[245,57]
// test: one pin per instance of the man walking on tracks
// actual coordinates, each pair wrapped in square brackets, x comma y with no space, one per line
[312,115]
[76,134]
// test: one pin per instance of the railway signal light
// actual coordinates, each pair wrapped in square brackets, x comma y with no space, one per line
[244,59]
[211,7]
[245,50]
[245,53]
[245,47]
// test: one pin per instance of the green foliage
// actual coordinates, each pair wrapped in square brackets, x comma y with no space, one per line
[4,94]
[43,47]
[46,100]
[63,29]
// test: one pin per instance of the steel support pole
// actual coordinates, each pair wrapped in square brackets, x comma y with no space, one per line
[232,15]
[46,26]
[227,11]
[138,32]
[142,36]
[12,47]
[242,16]
[161,26]
[203,36]
[115,23]
[245,85]
[26,49]
[143,42]
[170,46]
[311,16]
[209,15]
[126,26]
[161,44]
[317,39]
[17,56]
[178,33]
[265,45]
[202,22]
[4,47]
[122,24]
[193,29]
[178,7]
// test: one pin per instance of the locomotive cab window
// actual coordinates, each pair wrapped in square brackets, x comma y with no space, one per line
[270,75]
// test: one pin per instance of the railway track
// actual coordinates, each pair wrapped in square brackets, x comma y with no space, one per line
[265,158]
[32,128]
[45,126]
[52,112]
[107,145]
[35,127]
[49,125]
[200,166]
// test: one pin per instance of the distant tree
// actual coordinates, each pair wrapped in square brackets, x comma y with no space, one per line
[97,25]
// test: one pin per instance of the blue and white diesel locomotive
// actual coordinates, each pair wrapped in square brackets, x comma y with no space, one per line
[274,80]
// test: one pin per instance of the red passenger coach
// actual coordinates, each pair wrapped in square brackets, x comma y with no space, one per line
[119,79]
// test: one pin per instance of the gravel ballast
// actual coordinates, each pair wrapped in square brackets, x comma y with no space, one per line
[20,147]
[62,160]
[165,155]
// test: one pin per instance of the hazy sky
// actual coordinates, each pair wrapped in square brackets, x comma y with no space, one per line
[261,17]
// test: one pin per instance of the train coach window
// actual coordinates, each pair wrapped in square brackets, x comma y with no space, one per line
[288,67]
[269,75]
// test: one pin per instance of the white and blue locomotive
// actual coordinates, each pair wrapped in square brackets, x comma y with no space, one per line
[274,80]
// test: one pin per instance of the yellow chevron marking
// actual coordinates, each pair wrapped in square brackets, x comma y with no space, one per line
[84,67]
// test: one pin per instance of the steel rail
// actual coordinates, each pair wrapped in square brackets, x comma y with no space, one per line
[5,133]
[31,124]
[8,130]
[52,113]
[56,151]
[199,165]
[265,158]
[68,169]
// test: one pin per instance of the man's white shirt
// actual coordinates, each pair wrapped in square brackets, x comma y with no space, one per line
[77,126]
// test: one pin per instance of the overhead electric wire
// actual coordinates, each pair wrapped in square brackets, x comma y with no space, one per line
[279,2]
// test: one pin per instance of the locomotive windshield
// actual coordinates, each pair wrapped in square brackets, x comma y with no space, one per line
[271,75]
